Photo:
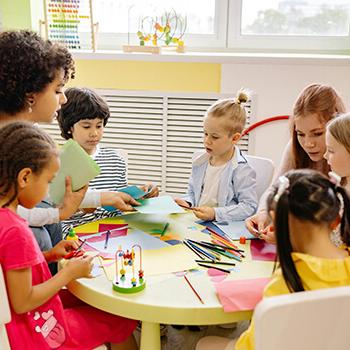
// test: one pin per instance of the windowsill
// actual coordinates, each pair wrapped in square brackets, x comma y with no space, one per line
[217,57]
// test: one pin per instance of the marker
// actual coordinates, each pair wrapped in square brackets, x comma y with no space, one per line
[108,233]
[165,228]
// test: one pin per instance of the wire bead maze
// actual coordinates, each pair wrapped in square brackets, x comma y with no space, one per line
[126,280]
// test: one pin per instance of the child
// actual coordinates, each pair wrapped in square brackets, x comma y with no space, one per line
[29,161]
[338,148]
[83,119]
[222,184]
[304,206]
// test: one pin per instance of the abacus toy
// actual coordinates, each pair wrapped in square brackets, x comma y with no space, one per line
[125,279]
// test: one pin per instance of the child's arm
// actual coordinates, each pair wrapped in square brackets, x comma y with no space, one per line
[244,182]
[25,297]
[60,250]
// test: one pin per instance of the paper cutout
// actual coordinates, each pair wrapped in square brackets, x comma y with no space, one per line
[161,261]
[159,205]
[241,295]
[234,229]
[261,250]
[71,154]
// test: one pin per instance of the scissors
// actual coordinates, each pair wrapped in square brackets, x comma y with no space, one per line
[75,253]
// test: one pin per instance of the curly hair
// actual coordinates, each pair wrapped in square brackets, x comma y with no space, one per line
[27,65]
[82,103]
[22,145]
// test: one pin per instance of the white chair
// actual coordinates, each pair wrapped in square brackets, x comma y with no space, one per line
[313,320]
[264,169]
[5,314]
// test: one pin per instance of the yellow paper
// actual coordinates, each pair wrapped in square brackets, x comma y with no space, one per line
[160,261]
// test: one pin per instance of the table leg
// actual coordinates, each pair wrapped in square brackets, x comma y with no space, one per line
[150,336]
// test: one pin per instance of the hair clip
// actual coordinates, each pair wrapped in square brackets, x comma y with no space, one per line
[283,184]
[334,178]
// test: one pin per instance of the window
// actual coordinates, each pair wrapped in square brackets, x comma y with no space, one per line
[231,25]
[299,25]
[204,21]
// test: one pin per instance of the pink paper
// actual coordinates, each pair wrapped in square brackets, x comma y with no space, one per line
[262,250]
[105,227]
[240,295]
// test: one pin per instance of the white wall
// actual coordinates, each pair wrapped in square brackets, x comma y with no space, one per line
[277,84]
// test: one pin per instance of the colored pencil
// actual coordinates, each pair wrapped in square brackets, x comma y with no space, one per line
[108,233]
[194,251]
[214,267]
[223,247]
[193,289]
[202,251]
[215,262]
[165,228]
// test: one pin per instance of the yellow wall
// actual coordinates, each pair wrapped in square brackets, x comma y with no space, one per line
[140,75]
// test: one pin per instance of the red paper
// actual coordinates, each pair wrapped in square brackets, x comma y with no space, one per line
[240,295]
[262,250]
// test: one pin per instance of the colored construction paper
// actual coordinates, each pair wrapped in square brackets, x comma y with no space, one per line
[240,295]
[161,261]
[93,227]
[104,227]
[234,229]
[143,239]
[261,250]
[77,164]
[159,205]
[134,191]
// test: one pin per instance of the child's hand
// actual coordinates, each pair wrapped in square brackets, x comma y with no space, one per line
[268,235]
[204,213]
[182,203]
[60,250]
[79,267]
[153,190]
[119,200]
[71,200]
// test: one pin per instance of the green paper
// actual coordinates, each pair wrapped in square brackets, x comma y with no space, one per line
[77,164]
[159,205]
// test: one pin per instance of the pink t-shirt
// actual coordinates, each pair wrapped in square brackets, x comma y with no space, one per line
[50,326]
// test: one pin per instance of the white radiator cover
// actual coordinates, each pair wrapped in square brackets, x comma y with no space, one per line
[160,131]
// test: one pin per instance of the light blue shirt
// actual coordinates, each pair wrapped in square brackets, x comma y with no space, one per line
[237,198]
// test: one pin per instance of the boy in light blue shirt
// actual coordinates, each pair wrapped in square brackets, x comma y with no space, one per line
[222,186]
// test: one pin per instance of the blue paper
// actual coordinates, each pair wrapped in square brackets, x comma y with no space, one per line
[134,191]
[159,205]
[234,229]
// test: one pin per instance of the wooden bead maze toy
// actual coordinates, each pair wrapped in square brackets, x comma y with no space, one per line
[125,279]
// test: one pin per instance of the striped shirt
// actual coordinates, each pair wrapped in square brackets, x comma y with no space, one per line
[112,177]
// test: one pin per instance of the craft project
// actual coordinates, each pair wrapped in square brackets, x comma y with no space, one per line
[125,278]
[77,164]
[159,205]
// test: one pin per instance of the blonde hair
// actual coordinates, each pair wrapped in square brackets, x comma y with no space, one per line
[339,128]
[319,99]
[231,109]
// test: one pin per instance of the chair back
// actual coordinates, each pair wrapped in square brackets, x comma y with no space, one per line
[312,320]
[5,314]
[264,169]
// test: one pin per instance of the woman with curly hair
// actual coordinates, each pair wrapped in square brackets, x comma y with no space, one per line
[33,73]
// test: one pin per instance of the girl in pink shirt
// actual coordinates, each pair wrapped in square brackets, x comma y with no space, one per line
[28,162]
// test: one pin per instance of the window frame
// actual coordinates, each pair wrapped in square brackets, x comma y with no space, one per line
[115,41]
[280,43]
